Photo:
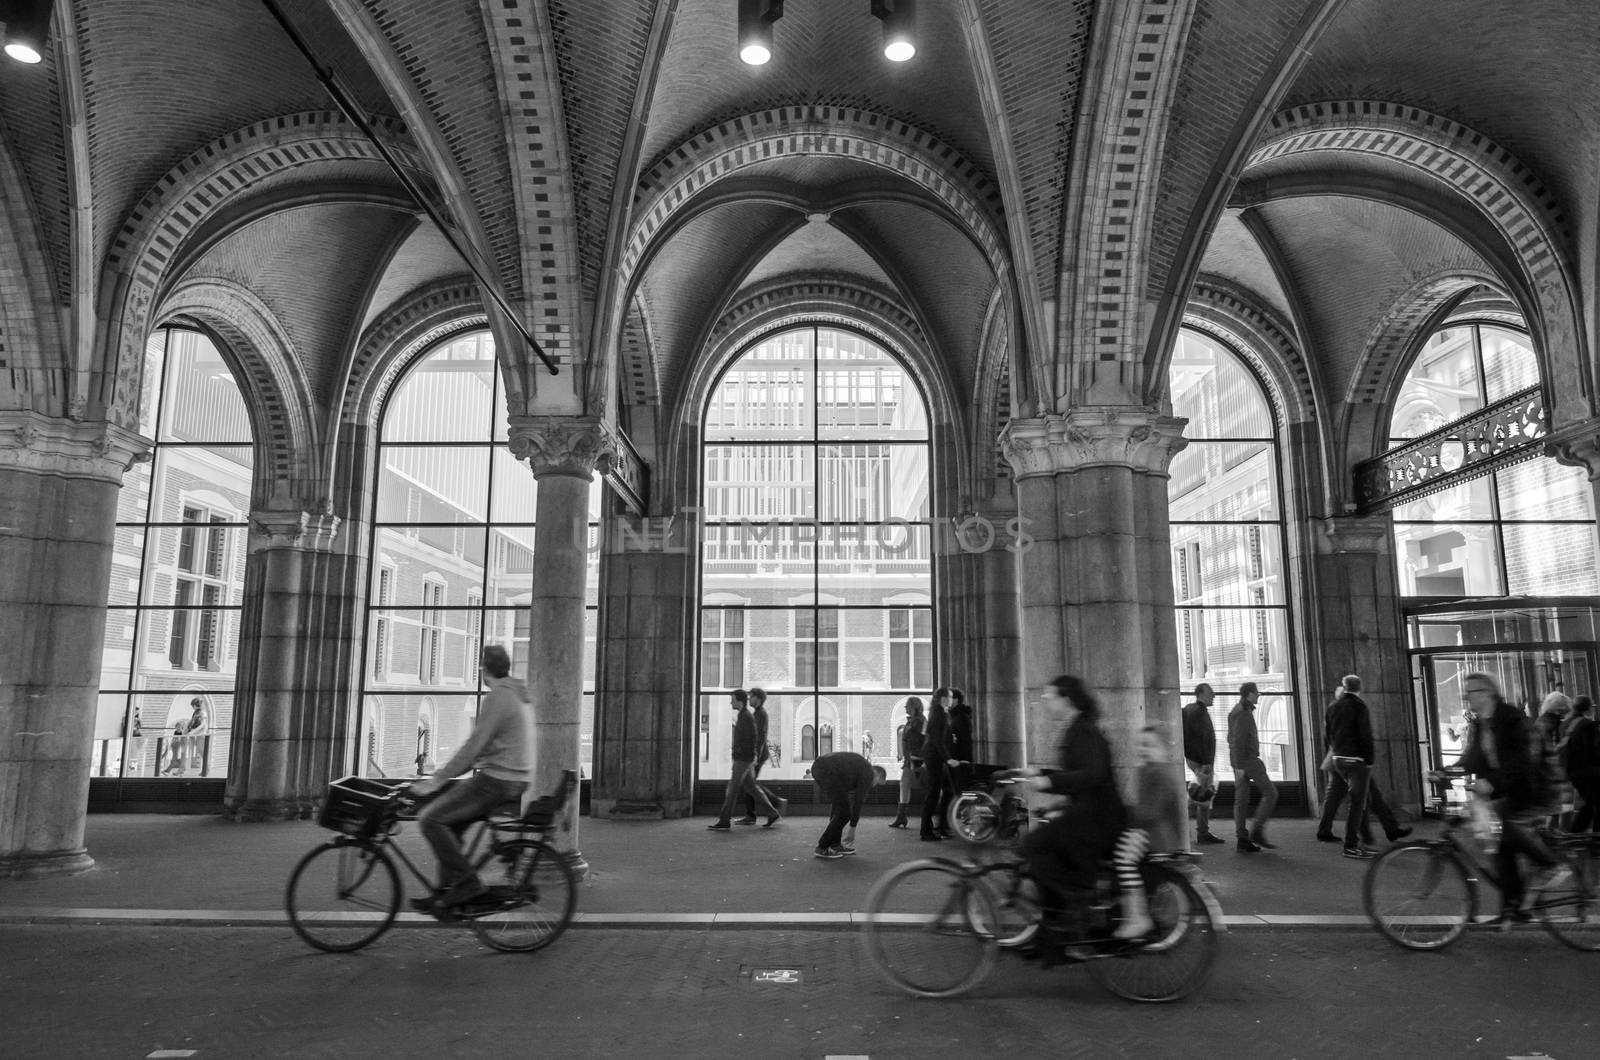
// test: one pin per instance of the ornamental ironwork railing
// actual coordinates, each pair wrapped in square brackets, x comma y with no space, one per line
[628,475]
[1496,435]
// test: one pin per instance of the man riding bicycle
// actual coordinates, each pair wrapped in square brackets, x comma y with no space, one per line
[1500,751]
[500,751]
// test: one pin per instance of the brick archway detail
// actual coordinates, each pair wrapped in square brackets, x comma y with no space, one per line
[1230,315]
[192,192]
[395,340]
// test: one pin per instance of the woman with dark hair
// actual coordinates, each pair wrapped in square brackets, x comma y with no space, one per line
[1062,856]
[960,752]
[1580,755]
[935,764]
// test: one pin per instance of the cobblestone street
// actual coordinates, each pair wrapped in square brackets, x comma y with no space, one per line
[90,992]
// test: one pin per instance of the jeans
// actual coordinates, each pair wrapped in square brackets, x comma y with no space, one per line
[1356,776]
[938,774]
[838,815]
[743,781]
[755,778]
[444,819]
[1588,791]
[1377,806]
[1518,835]
[1252,772]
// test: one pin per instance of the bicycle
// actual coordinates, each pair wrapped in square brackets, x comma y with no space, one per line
[935,927]
[977,816]
[1423,894]
[345,893]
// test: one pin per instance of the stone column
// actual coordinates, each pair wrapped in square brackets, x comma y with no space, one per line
[1353,626]
[1096,581]
[644,735]
[979,650]
[58,495]
[562,452]
[298,639]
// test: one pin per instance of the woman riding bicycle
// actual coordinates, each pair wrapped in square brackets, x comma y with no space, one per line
[1063,855]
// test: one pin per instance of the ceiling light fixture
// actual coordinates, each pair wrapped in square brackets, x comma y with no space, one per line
[755,29]
[899,28]
[27,29]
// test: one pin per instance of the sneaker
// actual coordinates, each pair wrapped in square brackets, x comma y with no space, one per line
[1398,834]
[1247,846]
[1209,837]
[845,849]
[1551,878]
[751,819]
[828,852]
[932,837]
[423,904]
[1259,838]
[1329,837]
[1133,928]
[773,819]
[1358,853]
[720,826]
[780,804]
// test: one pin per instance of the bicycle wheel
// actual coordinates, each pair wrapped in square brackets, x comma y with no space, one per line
[1571,909]
[924,928]
[1417,895]
[1181,950]
[343,895]
[532,897]
[974,817]
[1016,905]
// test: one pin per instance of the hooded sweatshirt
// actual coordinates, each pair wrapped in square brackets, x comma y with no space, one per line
[501,743]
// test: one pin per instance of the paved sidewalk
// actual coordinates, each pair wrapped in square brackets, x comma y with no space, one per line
[205,870]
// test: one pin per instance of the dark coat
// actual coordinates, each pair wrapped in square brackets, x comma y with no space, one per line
[1348,727]
[1580,748]
[1085,776]
[744,737]
[911,736]
[961,733]
[936,738]
[760,716]
[1510,770]
[1199,735]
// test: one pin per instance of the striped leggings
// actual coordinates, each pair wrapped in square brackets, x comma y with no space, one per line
[1132,846]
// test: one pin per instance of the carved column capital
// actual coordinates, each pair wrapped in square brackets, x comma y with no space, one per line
[562,445]
[1577,445]
[1093,436]
[292,528]
[1354,533]
[93,449]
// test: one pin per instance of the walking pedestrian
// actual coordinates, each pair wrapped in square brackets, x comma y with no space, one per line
[935,764]
[1347,727]
[845,779]
[741,780]
[1244,748]
[758,712]
[1580,755]
[908,750]
[960,753]
[1200,755]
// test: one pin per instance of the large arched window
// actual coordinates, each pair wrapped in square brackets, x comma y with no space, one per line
[177,576]
[1525,530]
[1498,573]
[452,559]
[1228,546]
[815,572]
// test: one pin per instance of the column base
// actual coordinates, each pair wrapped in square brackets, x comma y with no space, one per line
[629,810]
[254,811]
[580,867]
[44,866]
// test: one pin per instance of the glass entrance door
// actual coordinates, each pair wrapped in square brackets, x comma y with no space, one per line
[1526,676]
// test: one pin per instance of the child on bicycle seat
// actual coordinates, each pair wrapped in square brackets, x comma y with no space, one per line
[1153,817]
[500,751]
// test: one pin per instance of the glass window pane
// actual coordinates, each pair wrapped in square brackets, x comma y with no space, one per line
[1231,645]
[1442,386]
[873,563]
[872,482]
[201,402]
[133,499]
[116,660]
[1215,392]
[1447,560]
[1224,481]
[1222,563]
[1465,502]
[1509,364]
[448,397]
[431,565]
[768,393]
[404,734]
[862,392]
[1551,560]
[1543,489]
[516,491]
[510,565]
[759,481]
[433,484]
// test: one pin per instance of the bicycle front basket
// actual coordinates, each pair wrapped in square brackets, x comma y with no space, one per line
[355,805]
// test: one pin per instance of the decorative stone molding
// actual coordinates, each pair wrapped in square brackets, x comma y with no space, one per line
[1577,445]
[1093,436]
[49,445]
[292,528]
[562,445]
[1354,533]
